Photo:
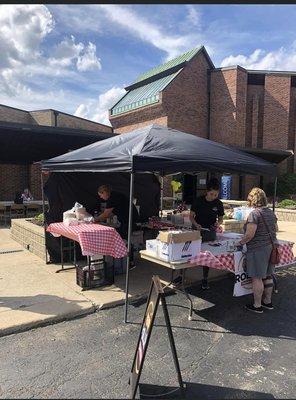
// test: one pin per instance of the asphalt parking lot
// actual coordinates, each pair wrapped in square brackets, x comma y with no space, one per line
[224,352]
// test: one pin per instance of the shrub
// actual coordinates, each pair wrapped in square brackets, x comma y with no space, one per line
[287,203]
[286,184]
[39,219]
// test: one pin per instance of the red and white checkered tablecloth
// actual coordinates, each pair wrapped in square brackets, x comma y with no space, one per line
[93,238]
[286,253]
[221,261]
[226,260]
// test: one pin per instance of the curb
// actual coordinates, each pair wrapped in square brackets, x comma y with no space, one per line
[48,321]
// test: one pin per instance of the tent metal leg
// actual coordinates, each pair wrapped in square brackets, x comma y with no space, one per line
[161,195]
[129,244]
[274,194]
[44,223]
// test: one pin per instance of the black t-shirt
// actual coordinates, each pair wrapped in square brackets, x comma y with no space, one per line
[120,204]
[207,212]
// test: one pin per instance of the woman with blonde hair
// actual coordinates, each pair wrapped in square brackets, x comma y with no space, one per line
[259,236]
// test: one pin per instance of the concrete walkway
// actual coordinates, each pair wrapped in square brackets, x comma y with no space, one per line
[32,294]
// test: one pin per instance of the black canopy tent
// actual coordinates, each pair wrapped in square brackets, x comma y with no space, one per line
[157,149]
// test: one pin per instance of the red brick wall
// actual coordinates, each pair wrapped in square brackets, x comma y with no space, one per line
[45,118]
[13,178]
[70,121]
[167,188]
[291,163]
[254,117]
[250,182]
[241,104]
[276,113]
[10,114]
[140,117]
[223,105]
[35,181]
[185,99]
[228,106]
[183,103]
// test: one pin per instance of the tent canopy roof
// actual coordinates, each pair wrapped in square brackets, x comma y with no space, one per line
[159,149]
[274,156]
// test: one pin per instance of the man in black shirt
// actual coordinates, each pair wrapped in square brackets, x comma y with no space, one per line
[118,204]
[207,212]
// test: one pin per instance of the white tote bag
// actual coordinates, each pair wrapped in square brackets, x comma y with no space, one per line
[243,284]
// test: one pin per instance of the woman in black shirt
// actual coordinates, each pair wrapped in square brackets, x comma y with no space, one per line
[207,212]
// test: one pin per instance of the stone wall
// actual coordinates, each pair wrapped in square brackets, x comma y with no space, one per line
[286,215]
[232,225]
[29,235]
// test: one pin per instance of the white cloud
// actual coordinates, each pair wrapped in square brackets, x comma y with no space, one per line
[68,49]
[98,111]
[28,77]
[111,19]
[193,16]
[89,61]
[67,52]
[82,111]
[147,31]
[22,29]
[282,59]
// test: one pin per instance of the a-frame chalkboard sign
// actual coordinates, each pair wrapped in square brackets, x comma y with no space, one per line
[155,295]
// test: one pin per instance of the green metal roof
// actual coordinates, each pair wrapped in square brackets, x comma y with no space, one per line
[170,64]
[142,96]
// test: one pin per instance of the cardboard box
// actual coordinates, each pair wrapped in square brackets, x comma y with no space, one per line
[178,251]
[178,236]
[152,247]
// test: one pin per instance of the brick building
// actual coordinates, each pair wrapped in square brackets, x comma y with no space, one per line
[239,107]
[29,136]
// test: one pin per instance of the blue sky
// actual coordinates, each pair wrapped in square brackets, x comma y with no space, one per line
[78,58]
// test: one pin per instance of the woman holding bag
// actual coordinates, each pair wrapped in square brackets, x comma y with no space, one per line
[260,239]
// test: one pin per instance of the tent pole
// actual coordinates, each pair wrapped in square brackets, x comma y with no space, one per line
[274,194]
[43,210]
[129,244]
[161,195]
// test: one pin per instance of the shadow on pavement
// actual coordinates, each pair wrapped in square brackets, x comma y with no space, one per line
[228,312]
[217,306]
[37,304]
[198,391]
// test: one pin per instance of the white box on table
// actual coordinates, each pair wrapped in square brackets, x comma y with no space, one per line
[152,247]
[178,245]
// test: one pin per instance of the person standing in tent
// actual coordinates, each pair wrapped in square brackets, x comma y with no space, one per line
[206,215]
[118,204]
